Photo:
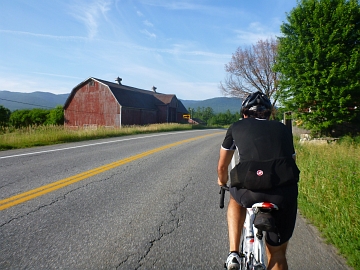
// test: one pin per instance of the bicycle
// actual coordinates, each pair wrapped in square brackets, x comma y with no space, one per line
[252,249]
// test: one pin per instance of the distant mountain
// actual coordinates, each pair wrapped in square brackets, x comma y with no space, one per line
[218,104]
[17,101]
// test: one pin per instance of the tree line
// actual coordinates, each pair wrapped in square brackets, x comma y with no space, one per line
[27,117]
[207,116]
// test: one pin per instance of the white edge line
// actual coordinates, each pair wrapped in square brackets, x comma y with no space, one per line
[86,145]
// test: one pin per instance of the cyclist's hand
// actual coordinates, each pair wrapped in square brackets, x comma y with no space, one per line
[221,182]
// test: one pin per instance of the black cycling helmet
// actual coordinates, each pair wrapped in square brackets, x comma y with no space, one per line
[257,102]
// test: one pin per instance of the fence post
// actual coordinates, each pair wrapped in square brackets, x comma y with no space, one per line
[287,120]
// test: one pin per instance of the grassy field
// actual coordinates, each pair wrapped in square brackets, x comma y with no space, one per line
[48,135]
[329,187]
[329,193]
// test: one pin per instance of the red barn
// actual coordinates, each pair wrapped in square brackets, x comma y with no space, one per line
[96,102]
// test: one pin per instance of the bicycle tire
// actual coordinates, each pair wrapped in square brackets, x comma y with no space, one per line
[259,251]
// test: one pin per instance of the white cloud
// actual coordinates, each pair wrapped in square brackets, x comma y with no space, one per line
[253,33]
[183,6]
[58,75]
[90,14]
[149,24]
[182,49]
[256,26]
[168,82]
[178,5]
[42,35]
[146,32]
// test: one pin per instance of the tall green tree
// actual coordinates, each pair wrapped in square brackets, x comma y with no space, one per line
[4,116]
[208,112]
[319,61]
[202,113]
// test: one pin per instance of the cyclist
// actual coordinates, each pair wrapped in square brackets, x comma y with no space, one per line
[260,143]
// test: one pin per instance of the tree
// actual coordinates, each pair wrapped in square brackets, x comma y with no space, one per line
[39,116]
[20,118]
[250,70]
[202,113]
[319,62]
[26,117]
[56,116]
[208,112]
[4,116]
[224,119]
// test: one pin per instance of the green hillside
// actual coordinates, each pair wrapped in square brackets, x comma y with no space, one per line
[17,101]
[219,104]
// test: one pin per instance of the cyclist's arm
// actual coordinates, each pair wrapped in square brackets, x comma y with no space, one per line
[223,164]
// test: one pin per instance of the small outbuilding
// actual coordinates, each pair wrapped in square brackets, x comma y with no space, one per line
[96,102]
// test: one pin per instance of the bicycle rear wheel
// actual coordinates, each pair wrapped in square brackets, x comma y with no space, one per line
[259,262]
[244,262]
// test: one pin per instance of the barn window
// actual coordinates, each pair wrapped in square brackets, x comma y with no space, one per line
[92,83]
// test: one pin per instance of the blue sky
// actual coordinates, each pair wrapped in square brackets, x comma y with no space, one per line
[179,46]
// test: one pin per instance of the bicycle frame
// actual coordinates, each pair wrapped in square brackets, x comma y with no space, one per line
[252,244]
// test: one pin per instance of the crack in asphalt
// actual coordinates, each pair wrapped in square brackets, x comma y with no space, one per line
[167,227]
[60,198]
[7,184]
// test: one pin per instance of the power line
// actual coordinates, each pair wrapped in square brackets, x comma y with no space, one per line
[36,105]
[26,103]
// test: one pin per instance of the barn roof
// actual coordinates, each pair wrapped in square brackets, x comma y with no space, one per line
[132,97]
[181,108]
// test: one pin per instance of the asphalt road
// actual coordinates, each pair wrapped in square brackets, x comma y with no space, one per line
[148,209]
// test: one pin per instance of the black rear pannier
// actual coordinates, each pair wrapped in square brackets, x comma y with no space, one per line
[260,175]
[265,221]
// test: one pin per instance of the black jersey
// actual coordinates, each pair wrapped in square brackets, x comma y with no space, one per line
[259,140]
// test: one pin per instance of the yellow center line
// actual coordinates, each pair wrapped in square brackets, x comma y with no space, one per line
[31,194]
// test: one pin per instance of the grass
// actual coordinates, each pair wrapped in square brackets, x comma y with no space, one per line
[329,193]
[48,135]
